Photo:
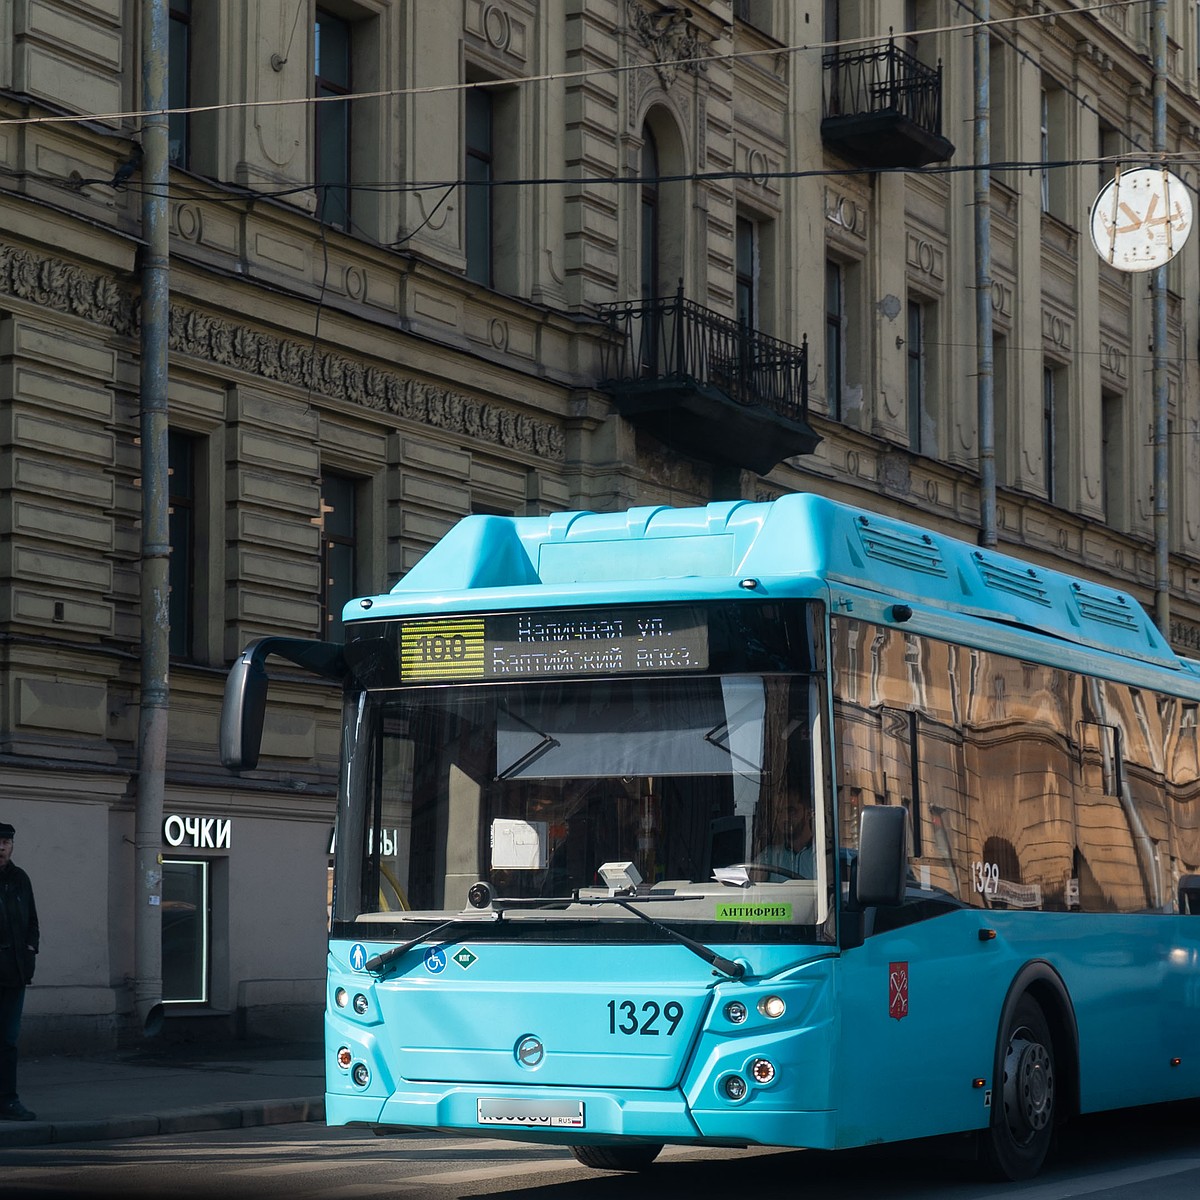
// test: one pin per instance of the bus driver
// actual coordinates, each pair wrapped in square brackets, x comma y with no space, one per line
[790,849]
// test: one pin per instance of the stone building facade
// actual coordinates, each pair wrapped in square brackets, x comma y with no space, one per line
[392,311]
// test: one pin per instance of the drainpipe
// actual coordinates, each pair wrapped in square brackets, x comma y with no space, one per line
[155,627]
[985,373]
[1162,548]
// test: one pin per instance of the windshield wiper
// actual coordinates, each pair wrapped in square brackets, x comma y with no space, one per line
[378,962]
[722,965]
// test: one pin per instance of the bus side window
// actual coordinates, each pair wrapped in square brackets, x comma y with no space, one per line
[1189,895]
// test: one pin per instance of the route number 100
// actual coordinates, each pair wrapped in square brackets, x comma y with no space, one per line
[437,647]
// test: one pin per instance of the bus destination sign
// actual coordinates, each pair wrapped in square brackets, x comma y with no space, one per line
[551,643]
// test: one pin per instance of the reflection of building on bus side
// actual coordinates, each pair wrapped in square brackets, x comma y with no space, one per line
[1029,786]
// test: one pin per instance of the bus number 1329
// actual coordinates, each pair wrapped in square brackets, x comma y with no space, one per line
[624,1017]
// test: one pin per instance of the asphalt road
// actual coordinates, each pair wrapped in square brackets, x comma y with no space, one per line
[1140,1153]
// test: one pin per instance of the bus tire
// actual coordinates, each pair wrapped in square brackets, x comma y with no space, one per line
[635,1156]
[1024,1103]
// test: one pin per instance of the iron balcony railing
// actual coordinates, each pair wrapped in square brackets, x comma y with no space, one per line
[883,79]
[672,341]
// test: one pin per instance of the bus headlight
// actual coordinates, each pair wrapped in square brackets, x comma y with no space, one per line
[360,1074]
[339,997]
[360,1003]
[734,1086]
[735,1012]
[772,1007]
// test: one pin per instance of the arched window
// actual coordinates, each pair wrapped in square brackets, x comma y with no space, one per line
[649,217]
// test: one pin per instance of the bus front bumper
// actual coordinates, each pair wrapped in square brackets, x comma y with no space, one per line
[572,1117]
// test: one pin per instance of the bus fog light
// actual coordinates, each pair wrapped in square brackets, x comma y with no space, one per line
[360,1003]
[763,1070]
[339,997]
[360,1074]
[772,1007]
[344,1058]
[735,1012]
[735,1087]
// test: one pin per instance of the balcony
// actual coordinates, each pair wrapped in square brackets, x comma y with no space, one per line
[706,385]
[883,108]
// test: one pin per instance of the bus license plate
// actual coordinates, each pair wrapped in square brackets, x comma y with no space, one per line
[535,1114]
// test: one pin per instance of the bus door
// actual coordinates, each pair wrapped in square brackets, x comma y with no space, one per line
[919,1007]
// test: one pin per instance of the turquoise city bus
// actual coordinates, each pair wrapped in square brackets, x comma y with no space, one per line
[760,823]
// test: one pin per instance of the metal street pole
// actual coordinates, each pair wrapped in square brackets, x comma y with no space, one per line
[156,548]
[1162,565]
[985,371]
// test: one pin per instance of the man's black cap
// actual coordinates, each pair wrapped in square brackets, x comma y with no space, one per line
[6,830]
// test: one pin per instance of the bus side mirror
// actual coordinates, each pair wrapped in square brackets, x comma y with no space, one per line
[243,711]
[882,866]
[245,703]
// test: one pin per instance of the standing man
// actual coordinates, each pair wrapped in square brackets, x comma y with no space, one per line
[19,937]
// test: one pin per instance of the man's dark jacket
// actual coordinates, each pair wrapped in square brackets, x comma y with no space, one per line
[18,928]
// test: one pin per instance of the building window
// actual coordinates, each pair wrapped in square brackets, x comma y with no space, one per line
[1000,434]
[1114,461]
[1048,406]
[186,924]
[649,217]
[497,213]
[1176,458]
[835,336]
[746,284]
[332,48]
[1054,432]
[921,429]
[1054,151]
[759,13]
[1045,149]
[339,550]
[181,461]
[831,18]
[179,58]
[480,171]
[1111,140]
[998,106]
[483,508]
[912,43]
[831,34]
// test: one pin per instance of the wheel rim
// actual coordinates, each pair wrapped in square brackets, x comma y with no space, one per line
[1028,1086]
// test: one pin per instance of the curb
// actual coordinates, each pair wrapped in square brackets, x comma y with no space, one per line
[184,1120]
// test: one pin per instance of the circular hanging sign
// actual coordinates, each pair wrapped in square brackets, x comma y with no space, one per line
[1141,219]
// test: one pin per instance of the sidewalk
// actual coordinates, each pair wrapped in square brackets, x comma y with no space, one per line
[153,1089]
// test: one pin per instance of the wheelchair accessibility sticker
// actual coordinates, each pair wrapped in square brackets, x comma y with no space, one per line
[435,960]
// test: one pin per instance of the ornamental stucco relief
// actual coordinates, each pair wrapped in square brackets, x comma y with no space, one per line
[53,284]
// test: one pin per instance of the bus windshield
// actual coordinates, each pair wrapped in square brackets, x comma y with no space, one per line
[703,798]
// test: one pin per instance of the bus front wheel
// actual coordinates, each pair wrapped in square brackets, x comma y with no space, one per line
[1023,1111]
[636,1156]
